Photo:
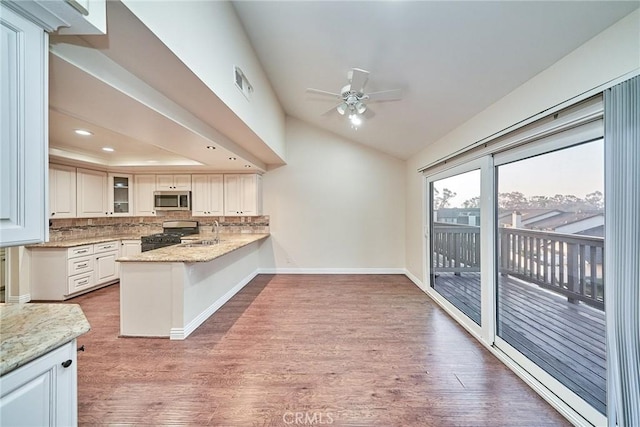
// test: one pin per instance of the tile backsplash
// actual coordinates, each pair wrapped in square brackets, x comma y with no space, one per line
[79,228]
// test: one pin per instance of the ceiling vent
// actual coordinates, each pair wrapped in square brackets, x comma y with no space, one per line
[242,83]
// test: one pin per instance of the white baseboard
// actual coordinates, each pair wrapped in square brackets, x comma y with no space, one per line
[279,270]
[19,299]
[414,279]
[182,333]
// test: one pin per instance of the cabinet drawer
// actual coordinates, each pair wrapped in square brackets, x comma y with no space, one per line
[80,282]
[106,247]
[80,265]
[79,251]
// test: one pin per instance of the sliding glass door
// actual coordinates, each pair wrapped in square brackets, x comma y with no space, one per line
[515,252]
[455,243]
[550,252]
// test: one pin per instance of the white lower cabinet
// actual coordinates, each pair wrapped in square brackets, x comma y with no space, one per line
[43,392]
[58,273]
[130,247]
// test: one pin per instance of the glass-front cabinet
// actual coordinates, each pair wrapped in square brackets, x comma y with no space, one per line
[120,195]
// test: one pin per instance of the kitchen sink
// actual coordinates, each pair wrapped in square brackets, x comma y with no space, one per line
[199,243]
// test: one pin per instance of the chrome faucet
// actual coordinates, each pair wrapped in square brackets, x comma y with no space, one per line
[216,229]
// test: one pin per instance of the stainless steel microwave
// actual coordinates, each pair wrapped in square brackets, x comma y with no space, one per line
[172,200]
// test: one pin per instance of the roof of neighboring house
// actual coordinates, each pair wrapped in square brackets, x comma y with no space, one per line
[456,212]
[595,231]
[563,218]
[504,218]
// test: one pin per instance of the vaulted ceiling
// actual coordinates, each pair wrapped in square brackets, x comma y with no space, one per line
[450,59]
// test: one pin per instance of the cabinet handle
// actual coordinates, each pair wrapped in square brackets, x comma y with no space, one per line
[82,265]
[84,282]
[53,213]
[81,252]
[67,363]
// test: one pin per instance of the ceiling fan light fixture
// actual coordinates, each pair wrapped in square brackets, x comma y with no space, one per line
[355,120]
[360,107]
[342,108]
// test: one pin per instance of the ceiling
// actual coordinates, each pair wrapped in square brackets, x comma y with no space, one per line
[451,60]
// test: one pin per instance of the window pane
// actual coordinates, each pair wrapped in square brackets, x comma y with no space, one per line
[550,265]
[455,241]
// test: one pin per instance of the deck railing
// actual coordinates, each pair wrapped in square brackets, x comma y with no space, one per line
[456,248]
[568,264]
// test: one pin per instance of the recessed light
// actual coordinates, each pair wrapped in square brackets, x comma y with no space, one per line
[109,149]
[152,161]
[233,158]
[83,132]
[211,147]
[247,166]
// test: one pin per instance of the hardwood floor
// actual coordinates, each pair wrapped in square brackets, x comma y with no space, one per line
[344,350]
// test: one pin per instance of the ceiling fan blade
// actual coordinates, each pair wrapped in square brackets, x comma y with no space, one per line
[369,114]
[358,79]
[331,110]
[385,95]
[323,92]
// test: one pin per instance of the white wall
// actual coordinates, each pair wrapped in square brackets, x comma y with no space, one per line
[609,55]
[336,205]
[208,38]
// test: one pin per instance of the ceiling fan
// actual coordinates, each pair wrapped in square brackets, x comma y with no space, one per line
[353,95]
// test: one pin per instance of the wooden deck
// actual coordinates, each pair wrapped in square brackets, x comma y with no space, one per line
[565,339]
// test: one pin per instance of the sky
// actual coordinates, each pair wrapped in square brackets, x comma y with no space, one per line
[577,170]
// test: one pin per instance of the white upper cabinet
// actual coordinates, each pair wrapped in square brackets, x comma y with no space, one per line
[92,193]
[143,188]
[120,189]
[173,182]
[208,195]
[62,191]
[23,130]
[64,16]
[242,194]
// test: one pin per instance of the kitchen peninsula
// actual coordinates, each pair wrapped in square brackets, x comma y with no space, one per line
[169,292]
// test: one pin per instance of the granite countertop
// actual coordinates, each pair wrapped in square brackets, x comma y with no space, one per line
[28,331]
[180,253]
[83,241]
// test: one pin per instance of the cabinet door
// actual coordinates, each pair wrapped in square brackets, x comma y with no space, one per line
[106,268]
[232,195]
[130,247]
[164,182]
[30,404]
[92,193]
[120,195]
[208,195]
[173,182]
[43,392]
[23,130]
[182,182]
[248,195]
[143,188]
[242,195]
[62,191]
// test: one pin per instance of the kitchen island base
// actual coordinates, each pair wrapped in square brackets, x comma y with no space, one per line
[171,299]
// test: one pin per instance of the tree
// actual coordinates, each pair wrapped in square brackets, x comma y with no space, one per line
[595,200]
[474,202]
[512,201]
[443,199]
